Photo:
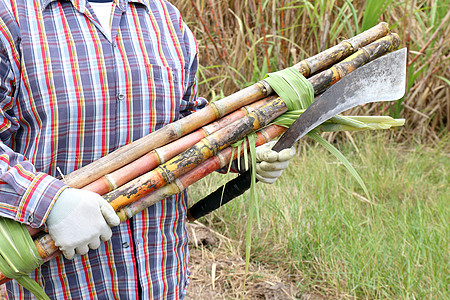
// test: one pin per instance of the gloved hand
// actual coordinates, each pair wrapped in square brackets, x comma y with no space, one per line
[270,164]
[79,220]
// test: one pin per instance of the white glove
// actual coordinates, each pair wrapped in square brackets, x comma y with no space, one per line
[79,220]
[270,164]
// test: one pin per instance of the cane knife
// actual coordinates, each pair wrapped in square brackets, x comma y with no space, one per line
[383,79]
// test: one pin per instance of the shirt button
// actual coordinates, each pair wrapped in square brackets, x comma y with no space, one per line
[125,245]
[30,219]
[120,97]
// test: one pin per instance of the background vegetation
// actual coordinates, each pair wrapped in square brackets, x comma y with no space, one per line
[315,224]
[241,40]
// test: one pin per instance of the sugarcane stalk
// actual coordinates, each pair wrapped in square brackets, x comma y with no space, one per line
[151,160]
[130,152]
[222,159]
[47,248]
[160,155]
[216,110]
[187,160]
[364,55]
[320,82]
[338,52]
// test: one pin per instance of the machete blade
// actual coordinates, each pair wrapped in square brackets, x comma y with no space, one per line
[383,79]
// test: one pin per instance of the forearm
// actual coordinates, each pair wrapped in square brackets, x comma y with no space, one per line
[25,194]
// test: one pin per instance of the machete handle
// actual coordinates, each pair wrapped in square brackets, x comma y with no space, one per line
[221,196]
[232,188]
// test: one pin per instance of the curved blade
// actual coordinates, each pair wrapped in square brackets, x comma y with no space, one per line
[383,79]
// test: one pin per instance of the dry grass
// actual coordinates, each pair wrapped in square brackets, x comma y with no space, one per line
[240,41]
[218,271]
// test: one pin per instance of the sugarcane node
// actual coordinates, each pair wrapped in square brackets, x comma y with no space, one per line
[384,45]
[303,67]
[120,198]
[190,158]
[213,106]
[266,89]
[42,251]
[352,47]
[358,59]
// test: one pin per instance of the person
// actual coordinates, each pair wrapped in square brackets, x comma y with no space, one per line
[78,80]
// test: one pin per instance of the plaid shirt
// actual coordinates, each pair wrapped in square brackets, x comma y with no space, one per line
[70,93]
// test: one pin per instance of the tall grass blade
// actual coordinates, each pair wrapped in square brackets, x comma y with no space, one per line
[373,10]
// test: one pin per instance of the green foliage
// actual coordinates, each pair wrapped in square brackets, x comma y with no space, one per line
[372,12]
[19,256]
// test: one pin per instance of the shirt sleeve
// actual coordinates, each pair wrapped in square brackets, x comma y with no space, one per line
[191,102]
[25,194]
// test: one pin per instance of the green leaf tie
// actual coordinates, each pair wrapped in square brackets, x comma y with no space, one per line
[295,90]
[19,256]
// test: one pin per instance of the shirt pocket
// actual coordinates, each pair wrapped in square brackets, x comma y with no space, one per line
[164,95]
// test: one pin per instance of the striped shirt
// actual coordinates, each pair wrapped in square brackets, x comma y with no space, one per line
[70,93]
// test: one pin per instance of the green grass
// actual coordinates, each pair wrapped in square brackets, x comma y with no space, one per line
[316,224]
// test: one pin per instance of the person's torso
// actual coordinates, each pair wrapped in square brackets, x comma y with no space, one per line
[83,93]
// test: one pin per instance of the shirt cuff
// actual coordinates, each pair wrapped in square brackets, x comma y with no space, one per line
[39,198]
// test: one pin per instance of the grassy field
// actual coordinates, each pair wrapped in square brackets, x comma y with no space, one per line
[316,224]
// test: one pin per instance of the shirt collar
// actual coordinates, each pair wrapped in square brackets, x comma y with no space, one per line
[80,5]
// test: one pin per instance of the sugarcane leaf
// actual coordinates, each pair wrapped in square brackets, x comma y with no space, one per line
[19,256]
[253,209]
[444,79]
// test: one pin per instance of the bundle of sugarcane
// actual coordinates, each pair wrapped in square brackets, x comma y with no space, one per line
[183,152]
